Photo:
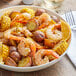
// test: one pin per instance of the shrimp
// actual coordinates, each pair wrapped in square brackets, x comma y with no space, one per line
[53,34]
[44,18]
[19,18]
[27,33]
[38,46]
[27,15]
[41,56]
[26,46]
[8,35]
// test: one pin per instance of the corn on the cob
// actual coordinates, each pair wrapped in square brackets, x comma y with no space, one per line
[5,23]
[25,62]
[61,47]
[1,60]
[28,10]
[5,51]
[66,31]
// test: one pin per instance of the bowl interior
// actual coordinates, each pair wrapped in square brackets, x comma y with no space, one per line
[34,68]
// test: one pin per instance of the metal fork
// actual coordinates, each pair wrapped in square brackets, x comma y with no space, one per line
[70,19]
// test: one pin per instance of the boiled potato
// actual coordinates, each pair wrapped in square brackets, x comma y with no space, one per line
[49,43]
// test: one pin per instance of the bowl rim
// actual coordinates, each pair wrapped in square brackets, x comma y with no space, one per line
[34,67]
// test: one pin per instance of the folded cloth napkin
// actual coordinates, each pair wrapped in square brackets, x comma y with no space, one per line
[72,49]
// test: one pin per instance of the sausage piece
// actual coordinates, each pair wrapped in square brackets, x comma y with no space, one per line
[39,36]
[55,19]
[39,12]
[15,56]
[12,49]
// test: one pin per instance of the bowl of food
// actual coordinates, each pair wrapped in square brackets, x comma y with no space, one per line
[31,38]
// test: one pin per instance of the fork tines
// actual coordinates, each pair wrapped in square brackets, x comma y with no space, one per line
[70,18]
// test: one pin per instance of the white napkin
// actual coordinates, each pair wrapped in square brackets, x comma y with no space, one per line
[72,49]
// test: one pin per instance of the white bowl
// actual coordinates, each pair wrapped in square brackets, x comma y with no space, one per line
[34,68]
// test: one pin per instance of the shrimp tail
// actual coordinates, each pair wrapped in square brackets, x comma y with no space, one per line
[33,49]
[39,46]
[51,52]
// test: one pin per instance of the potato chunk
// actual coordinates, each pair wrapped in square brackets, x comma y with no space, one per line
[49,43]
